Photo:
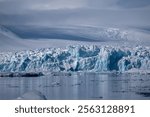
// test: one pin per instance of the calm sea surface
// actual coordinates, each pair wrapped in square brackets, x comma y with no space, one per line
[79,86]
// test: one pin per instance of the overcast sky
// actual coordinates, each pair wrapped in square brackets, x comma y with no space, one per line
[75,12]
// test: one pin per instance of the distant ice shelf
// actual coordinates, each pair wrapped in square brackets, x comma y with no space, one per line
[77,58]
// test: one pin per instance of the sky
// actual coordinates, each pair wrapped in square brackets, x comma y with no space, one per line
[75,12]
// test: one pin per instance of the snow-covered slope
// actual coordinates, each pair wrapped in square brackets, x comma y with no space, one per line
[28,37]
[74,33]
[9,41]
[77,58]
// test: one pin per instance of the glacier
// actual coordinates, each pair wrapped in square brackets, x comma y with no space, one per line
[91,58]
[16,38]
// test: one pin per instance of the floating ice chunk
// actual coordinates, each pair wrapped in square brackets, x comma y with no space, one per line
[32,95]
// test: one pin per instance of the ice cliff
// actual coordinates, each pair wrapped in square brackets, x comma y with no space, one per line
[77,58]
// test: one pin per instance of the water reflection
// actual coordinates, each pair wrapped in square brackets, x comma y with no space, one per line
[79,86]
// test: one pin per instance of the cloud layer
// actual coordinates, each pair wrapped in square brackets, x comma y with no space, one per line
[75,12]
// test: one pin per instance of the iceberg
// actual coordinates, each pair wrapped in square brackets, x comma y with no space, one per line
[84,58]
[32,95]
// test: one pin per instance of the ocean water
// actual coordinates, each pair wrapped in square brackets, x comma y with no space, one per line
[78,86]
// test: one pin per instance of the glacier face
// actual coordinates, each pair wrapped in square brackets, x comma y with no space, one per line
[77,58]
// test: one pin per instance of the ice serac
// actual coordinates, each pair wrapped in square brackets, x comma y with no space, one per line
[77,58]
[139,59]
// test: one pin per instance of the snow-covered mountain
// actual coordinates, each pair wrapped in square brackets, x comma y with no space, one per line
[74,33]
[73,49]
[32,37]
[9,41]
[77,58]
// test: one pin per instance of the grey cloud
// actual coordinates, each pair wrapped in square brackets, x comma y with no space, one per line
[79,17]
[133,3]
[18,6]
[73,12]
[102,4]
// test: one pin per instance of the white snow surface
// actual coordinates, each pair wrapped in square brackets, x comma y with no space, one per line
[9,41]
[75,35]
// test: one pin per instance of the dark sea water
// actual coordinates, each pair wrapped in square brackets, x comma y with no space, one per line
[89,86]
